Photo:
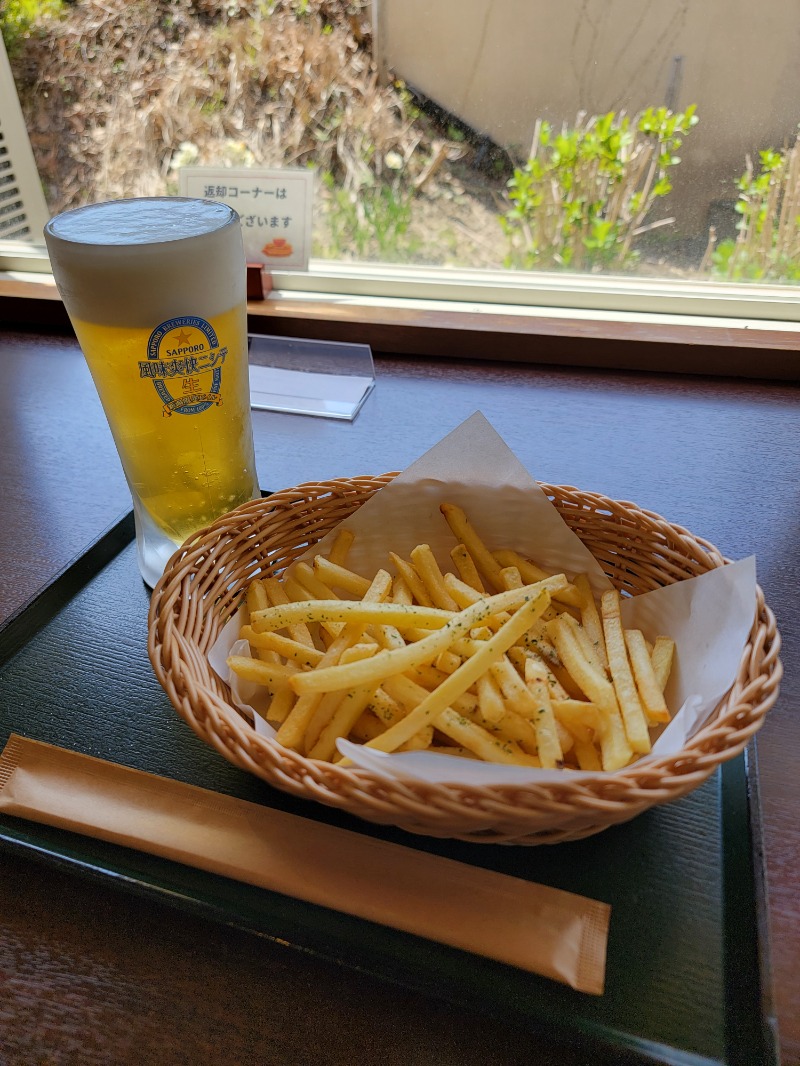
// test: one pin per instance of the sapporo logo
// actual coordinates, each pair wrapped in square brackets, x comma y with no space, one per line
[184,362]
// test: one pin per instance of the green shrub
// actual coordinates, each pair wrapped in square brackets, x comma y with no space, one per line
[587,192]
[767,247]
[371,222]
[19,18]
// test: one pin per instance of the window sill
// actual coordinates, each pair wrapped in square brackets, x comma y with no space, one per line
[671,343]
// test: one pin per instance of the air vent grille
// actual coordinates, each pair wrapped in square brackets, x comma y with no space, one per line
[23,211]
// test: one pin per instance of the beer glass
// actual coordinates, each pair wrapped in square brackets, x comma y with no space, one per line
[155,290]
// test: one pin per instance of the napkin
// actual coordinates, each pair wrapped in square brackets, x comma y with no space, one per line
[545,930]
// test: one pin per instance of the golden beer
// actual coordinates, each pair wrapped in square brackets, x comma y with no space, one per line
[155,290]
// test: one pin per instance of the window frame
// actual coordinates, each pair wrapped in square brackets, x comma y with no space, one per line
[427,328]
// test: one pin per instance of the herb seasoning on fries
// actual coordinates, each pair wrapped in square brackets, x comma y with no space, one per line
[496,659]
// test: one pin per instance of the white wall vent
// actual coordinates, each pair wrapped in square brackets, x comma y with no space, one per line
[23,211]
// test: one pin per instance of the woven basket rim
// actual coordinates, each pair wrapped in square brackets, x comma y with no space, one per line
[642,783]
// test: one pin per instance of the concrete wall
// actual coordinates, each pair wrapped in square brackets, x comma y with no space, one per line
[500,64]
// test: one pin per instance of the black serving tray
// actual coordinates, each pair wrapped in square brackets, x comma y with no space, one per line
[686,952]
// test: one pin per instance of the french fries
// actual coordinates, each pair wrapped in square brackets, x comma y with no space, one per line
[495,658]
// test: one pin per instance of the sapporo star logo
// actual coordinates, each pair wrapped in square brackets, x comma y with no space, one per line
[182,338]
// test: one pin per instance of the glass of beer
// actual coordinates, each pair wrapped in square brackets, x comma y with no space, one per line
[155,289]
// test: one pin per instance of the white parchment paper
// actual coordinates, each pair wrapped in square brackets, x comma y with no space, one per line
[708,617]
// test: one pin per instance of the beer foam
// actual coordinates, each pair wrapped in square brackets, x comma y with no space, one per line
[139,262]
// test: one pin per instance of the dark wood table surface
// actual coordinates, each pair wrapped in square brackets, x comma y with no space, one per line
[90,974]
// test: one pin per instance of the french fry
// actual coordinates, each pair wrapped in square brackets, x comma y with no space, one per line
[405,691]
[401,593]
[414,634]
[615,751]
[420,741]
[299,630]
[581,719]
[296,592]
[590,618]
[325,710]
[465,533]
[302,582]
[387,636]
[663,652]
[340,548]
[448,662]
[426,566]
[490,699]
[584,737]
[463,594]
[282,701]
[551,751]
[412,579]
[586,755]
[589,648]
[467,570]
[366,728]
[538,642]
[385,708]
[565,680]
[650,691]
[512,686]
[628,698]
[293,727]
[396,614]
[347,712]
[283,698]
[256,597]
[273,675]
[589,680]
[530,573]
[356,652]
[565,738]
[335,576]
[506,557]
[305,576]
[300,654]
[480,633]
[518,655]
[511,577]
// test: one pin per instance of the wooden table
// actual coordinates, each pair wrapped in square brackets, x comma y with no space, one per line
[92,974]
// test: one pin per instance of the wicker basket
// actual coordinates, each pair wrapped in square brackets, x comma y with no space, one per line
[203,584]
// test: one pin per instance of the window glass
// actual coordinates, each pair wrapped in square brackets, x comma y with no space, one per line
[603,137]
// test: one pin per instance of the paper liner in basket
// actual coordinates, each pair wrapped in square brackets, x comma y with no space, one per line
[709,617]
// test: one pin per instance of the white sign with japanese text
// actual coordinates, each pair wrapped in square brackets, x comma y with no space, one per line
[274,206]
